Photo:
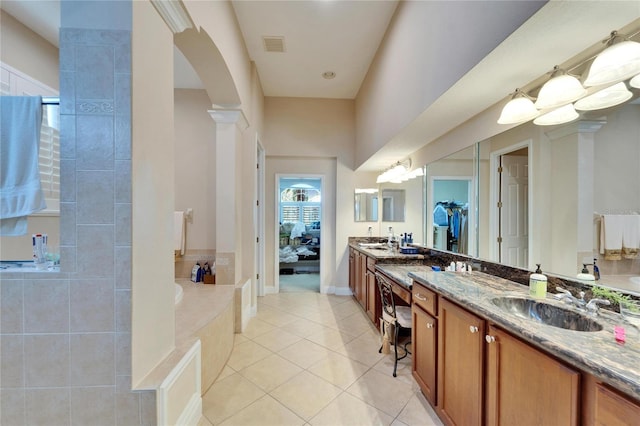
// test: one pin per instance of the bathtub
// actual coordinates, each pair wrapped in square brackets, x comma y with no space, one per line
[179,291]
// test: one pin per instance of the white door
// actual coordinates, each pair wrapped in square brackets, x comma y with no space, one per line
[513,240]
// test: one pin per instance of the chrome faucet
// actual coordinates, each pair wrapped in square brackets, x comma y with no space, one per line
[567,297]
[592,306]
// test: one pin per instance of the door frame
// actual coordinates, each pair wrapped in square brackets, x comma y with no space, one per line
[471,216]
[323,213]
[259,221]
[494,182]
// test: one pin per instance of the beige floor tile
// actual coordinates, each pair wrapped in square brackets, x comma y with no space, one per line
[275,316]
[204,422]
[270,372]
[331,338]
[304,353]
[277,339]
[349,410]
[264,412]
[397,422]
[418,412]
[229,396]
[382,391]
[306,394]
[226,372]
[303,327]
[257,327]
[403,373]
[245,354]
[338,370]
[239,338]
[364,350]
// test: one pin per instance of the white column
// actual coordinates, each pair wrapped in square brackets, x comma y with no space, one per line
[229,126]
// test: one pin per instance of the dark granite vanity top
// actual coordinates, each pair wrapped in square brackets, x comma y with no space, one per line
[595,352]
[385,254]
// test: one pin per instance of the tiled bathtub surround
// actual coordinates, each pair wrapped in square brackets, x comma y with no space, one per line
[66,336]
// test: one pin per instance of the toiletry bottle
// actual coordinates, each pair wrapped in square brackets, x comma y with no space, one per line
[596,270]
[538,283]
[585,275]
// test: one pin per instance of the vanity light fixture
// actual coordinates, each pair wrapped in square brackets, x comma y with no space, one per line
[619,61]
[606,98]
[560,115]
[559,90]
[519,109]
[635,82]
[399,172]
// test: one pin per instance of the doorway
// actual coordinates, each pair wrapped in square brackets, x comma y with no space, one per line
[299,215]
[510,217]
[451,208]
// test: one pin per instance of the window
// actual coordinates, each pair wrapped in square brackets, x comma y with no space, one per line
[300,205]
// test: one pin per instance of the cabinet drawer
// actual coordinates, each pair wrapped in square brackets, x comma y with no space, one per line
[425,298]
[371,264]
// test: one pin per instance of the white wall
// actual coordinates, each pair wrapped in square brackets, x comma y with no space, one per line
[427,48]
[312,136]
[195,174]
[153,172]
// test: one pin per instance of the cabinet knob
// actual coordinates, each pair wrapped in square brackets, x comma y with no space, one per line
[429,325]
[473,329]
[420,297]
[489,339]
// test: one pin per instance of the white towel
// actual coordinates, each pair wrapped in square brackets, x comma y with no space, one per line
[611,236]
[20,190]
[298,229]
[631,236]
[179,226]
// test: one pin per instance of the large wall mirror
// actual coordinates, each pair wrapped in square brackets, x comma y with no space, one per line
[393,204]
[543,192]
[365,205]
[450,206]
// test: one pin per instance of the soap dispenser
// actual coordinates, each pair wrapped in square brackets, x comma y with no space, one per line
[538,283]
[584,275]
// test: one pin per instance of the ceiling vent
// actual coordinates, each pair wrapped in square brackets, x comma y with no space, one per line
[273,44]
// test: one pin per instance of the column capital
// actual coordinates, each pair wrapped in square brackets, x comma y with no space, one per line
[582,126]
[229,116]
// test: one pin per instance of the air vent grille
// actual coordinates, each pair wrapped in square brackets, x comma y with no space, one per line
[273,44]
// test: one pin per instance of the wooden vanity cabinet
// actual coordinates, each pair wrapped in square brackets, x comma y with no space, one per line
[424,338]
[602,405]
[524,383]
[460,391]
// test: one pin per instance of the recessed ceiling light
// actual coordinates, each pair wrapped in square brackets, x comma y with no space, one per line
[328,75]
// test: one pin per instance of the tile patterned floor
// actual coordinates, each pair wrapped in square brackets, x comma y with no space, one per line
[312,359]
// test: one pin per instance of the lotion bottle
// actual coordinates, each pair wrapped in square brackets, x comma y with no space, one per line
[538,283]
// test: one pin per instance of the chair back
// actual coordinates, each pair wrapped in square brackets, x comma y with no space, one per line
[386,296]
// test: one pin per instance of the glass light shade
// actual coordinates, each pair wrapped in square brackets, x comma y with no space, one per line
[635,82]
[518,110]
[605,98]
[558,91]
[617,62]
[561,115]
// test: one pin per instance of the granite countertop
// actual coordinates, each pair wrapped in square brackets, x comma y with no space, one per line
[385,254]
[596,353]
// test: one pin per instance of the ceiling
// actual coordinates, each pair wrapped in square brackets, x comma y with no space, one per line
[343,36]
[319,36]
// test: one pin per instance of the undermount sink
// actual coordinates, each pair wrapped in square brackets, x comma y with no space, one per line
[546,313]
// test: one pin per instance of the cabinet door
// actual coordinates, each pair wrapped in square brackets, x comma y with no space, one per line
[352,271]
[362,281]
[372,290]
[524,383]
[460,365]
[424,338]
[614,409]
